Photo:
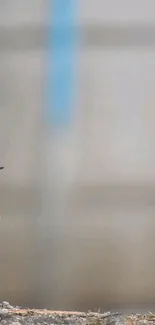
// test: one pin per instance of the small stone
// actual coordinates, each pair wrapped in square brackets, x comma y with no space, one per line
[3,311]
[5,304]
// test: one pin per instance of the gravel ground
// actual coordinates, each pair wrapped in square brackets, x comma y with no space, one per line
[21,316]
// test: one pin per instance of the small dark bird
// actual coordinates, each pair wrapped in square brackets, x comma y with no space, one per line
[1,167]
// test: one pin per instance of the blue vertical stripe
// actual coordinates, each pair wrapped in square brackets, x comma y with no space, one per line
[61,61]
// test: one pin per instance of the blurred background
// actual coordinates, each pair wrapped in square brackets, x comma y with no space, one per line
[77,195]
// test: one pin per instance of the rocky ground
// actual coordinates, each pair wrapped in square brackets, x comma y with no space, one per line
[21,316]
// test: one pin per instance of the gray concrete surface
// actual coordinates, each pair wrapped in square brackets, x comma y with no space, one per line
[83,238]
[21,93]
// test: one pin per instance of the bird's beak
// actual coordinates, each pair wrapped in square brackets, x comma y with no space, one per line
[1,168]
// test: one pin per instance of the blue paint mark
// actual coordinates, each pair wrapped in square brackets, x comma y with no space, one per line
[61,61]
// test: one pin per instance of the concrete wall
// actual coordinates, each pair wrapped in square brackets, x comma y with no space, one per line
[98,251]
[111,237]
[21,93]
